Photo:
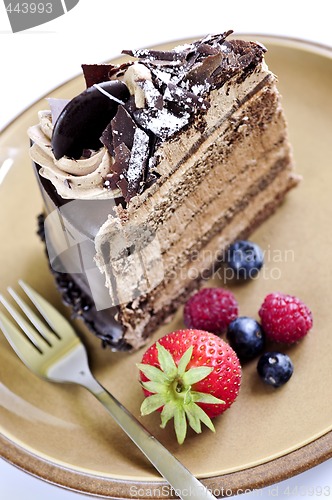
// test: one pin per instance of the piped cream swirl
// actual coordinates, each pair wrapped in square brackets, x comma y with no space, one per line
[73,179]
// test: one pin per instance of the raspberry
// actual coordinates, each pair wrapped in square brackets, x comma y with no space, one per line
[285,318]
[211,309]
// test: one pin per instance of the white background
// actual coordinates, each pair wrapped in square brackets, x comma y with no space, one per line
[37,60]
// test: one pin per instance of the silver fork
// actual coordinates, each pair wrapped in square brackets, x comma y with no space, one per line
[54,352]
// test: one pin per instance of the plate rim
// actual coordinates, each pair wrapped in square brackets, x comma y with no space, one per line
[251,478]
[238,482]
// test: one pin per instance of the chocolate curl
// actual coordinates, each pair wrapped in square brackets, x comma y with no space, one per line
[96,73]
[130,147]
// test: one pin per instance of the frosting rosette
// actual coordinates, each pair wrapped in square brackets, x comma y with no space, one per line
[73,179]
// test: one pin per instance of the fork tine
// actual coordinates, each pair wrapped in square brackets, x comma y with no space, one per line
[58,323]
[19,343]
[29,331]
[44,331]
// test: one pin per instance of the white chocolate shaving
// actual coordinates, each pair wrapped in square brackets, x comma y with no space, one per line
[107,94]
[137,73]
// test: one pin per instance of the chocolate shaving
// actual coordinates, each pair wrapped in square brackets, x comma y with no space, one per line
[120,165]
[188,100]
[137,163]
[56,107]
[96,73]
[116,181]
[87,153]
[123,128]
[118,71]
[157,55]
[67,183]
[123,185]
[122,159]
[203,69]
[130,147]
[107,139]
[239,57]
[162,123]
[206,50]
[111,181]
[214,39]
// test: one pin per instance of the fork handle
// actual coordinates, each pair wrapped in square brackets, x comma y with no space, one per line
[183,482]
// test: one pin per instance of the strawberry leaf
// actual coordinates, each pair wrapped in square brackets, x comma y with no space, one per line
[180,423]
[203,417]
[183,363]
[152,403]
[166,361]
[155,387]
[167,413]
[152,373]
[196,374]
[186,394]
[202,397]
[193,419]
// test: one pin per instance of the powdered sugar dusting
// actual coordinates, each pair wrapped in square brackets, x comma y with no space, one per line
[200,89]
[161,122]
[182,48]
[138,156]
[153,97]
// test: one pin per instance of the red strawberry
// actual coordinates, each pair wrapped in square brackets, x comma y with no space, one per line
[191,376]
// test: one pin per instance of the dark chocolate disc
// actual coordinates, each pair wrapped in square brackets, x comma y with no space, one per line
[83,120]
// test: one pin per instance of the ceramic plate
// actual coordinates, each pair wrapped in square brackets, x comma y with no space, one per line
[59,432]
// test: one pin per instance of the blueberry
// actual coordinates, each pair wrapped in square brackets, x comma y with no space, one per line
[275,368]
[246,337]
[245,259]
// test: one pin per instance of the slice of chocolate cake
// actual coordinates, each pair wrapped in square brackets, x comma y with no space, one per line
[150,174]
